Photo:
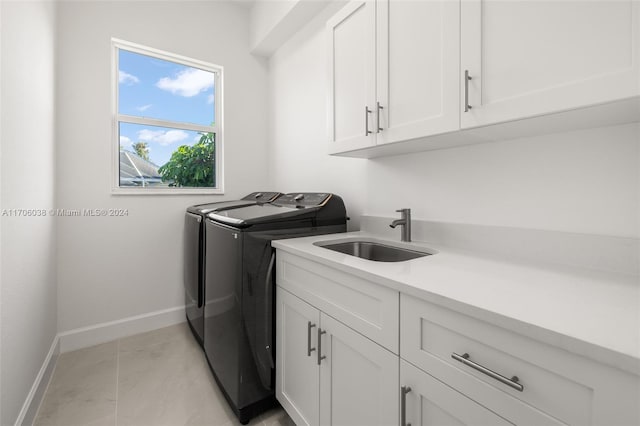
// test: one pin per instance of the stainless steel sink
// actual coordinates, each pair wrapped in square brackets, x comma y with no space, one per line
[374,251]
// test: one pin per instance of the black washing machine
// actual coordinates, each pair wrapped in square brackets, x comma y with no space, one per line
[193,273]
[239,325]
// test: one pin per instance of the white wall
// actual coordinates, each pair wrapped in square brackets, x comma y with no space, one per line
[113,268]
[273,22]
[28,176]
[264,16]
[298,125]
[585,181]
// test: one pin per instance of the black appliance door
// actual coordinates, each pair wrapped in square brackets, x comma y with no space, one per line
[226,342]
[192,274]
[258,302]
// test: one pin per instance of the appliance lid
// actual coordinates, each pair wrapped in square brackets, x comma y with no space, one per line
[203,209]
[286,207]
[257,213]
[247,200]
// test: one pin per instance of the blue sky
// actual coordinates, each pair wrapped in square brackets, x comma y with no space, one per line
[155,88]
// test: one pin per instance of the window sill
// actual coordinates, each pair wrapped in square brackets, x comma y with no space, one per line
[167,191]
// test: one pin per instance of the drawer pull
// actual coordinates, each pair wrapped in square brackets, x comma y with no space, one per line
[404,390]
[309,348]
[367,111]
[320,356]
[467,77]
[512,382]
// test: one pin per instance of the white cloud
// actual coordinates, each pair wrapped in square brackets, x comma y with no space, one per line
[125,142]
[187,83]
[126,78]
[210,99]
[143,108]
[162,137]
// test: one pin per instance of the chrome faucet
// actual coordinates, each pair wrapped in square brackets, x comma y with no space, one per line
[405,222]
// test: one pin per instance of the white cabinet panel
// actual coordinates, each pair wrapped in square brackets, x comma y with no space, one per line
[531,57]
[432,403]
[351,43]
[368,308]
[418,67]
[358,379]
[297,379]
[332,371]
[355,382]
[558,387]
[397,71]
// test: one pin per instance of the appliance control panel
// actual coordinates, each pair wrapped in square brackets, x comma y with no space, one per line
[262,197]
[303,199]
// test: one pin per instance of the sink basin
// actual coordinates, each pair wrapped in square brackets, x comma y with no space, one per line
[374,251]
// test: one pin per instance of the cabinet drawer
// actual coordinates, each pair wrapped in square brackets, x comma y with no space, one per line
[429,402]
[432,334]
[368,308]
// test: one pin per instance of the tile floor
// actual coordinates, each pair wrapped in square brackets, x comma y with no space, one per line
[159,378]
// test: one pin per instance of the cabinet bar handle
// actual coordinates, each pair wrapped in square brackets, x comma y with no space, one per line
[320,356]
[512,382]
[404,390]
[367,111]
[309,348]
[379,107]
[467,77]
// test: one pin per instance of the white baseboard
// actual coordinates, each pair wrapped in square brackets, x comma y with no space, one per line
[34,397]
[105,332]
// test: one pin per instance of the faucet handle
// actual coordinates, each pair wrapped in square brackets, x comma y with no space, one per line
[403,210]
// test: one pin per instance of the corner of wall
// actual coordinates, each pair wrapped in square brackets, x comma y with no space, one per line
[29,343]
[36,393]
[1,115]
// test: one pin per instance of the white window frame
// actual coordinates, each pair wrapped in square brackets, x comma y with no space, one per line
[118,118]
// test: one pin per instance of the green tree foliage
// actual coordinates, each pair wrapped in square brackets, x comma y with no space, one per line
[142,149]
[192,166]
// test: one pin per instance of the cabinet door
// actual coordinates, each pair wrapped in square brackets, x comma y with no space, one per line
[531,57]
[297,376]
[432,403]
[351,41]
[418,67]
[358,378]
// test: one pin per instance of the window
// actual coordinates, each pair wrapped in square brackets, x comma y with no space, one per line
[167,122]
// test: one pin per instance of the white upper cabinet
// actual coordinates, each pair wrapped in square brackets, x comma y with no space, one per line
[529,58]
[393,72]
[437,73]
[418,55]
[352,57]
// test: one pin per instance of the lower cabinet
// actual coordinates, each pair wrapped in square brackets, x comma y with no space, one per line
[525,381]
[429,402]
[298,378]
[451,368]
[327,373]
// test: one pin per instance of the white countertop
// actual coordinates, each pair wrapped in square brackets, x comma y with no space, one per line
[591,313]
